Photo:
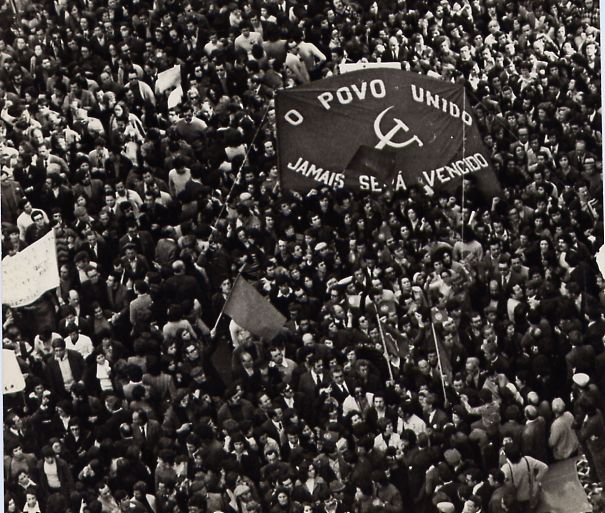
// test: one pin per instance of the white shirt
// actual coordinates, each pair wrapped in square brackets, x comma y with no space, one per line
[83,345]
[350,404]
[33,509]
[381,445]
[39,346]
[52,474]
[104,376]
[132,197]
[317,378]
[415,423]
[66,374]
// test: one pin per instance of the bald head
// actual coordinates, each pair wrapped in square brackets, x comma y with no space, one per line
[178,267]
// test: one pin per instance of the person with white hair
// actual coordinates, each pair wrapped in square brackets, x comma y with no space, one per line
[562,440]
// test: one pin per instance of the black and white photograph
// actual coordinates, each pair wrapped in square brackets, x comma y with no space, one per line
[302,256]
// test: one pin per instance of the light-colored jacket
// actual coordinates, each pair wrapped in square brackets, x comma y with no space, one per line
[518,475]
[563,439]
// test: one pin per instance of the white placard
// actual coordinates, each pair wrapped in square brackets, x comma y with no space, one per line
[30,273]
[167,79]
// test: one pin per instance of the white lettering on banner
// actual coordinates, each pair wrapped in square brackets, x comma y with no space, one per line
[294,117]
[400,183]
[347,94]
[369,183]
[310,170]
[344,95]
[30,273]
[443,104]
[461,167]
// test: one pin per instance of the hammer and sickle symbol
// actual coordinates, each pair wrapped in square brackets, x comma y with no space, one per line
[387,139]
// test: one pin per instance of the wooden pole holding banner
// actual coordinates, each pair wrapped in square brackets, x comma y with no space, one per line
[445,401]
[214,228]
[384,345]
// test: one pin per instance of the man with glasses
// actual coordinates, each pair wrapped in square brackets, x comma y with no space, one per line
[94,290]
[77,441]
[38,229]
[97,250]
[341,386]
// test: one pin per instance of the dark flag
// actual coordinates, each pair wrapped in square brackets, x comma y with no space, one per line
[370,162]
[397,344]
[252,311]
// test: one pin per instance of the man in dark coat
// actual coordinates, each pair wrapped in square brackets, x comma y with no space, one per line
[64,369]
[533,438]
[54,474]
[180,286]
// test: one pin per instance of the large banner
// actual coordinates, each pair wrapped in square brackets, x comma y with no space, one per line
[30,273]
[421,126]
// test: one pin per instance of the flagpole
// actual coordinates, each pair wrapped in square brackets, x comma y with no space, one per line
[220,315]
[214,227]
[439,362]
[384,345]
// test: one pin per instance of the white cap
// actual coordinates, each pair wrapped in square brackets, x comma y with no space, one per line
[581,379]
[446,507]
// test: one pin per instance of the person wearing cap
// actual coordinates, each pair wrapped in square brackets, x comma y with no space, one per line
[582,387]
[388,497]
[336,502]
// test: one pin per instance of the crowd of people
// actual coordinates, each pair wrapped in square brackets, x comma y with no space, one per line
[441,349]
